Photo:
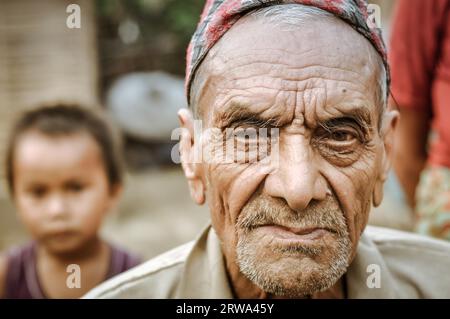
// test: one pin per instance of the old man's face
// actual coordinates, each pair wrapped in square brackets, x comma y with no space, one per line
[291,226]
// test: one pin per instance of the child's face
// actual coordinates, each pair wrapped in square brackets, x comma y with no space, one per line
[61,189]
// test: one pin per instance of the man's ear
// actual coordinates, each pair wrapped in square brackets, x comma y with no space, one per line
[192,169]
[389,123]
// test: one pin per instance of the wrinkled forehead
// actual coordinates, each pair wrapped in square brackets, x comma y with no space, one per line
[255,51]
[257,32]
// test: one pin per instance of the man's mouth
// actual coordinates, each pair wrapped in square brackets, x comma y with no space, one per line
[307,235]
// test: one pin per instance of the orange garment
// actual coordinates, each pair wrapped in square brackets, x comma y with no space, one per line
[420,67]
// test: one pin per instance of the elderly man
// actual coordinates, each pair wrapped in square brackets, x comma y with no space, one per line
[314,73]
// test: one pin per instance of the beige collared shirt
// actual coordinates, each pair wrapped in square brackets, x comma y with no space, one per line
[408,265]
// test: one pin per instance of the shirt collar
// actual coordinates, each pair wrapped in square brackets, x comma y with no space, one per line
[205,276]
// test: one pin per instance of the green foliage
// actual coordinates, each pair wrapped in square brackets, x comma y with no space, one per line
[153,16]
[165,29]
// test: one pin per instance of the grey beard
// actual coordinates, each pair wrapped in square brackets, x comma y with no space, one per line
[322,279]
[265,274]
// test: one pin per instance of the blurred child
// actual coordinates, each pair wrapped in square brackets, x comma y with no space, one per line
[64,175]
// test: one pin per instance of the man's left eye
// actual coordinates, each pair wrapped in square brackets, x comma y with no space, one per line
[338,140]
[343,136]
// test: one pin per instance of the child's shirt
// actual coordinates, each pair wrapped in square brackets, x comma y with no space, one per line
[22,280]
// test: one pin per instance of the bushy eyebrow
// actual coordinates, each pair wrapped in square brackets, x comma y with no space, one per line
[238,113]
[359,116]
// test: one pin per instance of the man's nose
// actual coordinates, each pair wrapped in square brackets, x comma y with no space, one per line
[297,178]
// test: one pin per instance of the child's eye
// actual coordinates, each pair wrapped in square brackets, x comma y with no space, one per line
[38,191]
[74,187]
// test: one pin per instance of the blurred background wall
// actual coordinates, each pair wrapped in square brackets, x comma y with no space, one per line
[110,62]
[42,60]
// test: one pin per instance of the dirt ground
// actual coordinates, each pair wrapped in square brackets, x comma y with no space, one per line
[157,213]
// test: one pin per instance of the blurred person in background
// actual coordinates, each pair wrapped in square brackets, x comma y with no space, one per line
[420,65]
[64,173]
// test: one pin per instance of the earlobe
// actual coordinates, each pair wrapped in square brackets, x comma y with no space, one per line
[387,132]
[377,196]
[187,151]
[197,191]
[186,143]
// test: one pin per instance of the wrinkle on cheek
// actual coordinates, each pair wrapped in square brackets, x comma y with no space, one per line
[245,186]
[356,158]
[238,183]
[216,197]
[353,187]
[220,178]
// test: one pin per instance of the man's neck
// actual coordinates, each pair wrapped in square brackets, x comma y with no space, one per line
[338,291]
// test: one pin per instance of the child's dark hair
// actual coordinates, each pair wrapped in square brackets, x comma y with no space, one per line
[60,120]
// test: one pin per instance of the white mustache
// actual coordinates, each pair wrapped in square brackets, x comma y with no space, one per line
[264,210]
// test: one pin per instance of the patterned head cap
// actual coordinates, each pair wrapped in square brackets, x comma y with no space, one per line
[220,15]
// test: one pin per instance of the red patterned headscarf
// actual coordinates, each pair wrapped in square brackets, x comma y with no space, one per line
[220,15]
